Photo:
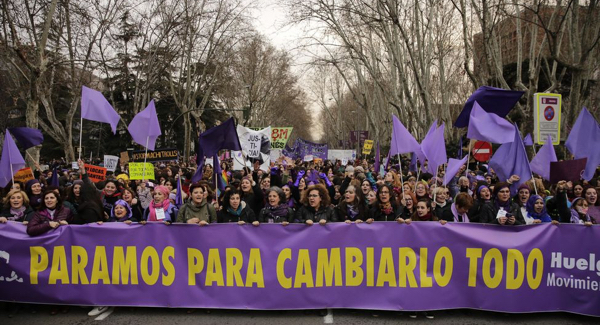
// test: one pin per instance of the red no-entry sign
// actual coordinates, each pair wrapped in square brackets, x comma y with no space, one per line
[482,151]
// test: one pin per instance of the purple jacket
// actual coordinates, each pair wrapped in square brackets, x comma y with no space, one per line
[40,223]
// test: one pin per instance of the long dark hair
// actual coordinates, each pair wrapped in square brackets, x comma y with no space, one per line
[88,194]
[359,203]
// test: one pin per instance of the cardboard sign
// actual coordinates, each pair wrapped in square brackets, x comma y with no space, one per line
[136,171]
[74,165]
[124,157]
[368,146]
[111,162]
[23,175]
[280,137]
[95,173]
[568,170]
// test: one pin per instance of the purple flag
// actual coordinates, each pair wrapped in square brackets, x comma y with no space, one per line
[27,137]
[434,148]
[511,159]
[402,140]
[11,160]
[54,178]
[493,100]
[489,127]
[454,166]
[220,137]
[377,159]
[413,163]
[219,183]
[179,195]
[584,141]
[528,141]
[95,107]
[540,164]
[144,128]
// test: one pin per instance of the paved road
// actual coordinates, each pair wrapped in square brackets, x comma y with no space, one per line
[151,316]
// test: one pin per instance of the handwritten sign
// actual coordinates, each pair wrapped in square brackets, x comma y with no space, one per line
[95,173]
[23,175]
[136,171]
[110,162]
[368,146]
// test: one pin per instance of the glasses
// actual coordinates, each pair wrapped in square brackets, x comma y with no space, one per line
[384,192]
[314,195]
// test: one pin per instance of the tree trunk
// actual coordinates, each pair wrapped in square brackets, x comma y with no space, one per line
[187,131]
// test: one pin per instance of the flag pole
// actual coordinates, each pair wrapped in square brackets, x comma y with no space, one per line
[12,173]
[468,158]
[80,135]
[145,157]
[401,177]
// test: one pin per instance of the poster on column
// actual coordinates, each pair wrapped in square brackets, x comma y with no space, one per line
[254,142]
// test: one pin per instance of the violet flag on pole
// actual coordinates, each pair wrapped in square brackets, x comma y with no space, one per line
[584,141]
[540,164]
[179,195]
[434,148]
[421,157]
[218,173]
[27,137]
[11,160]
[511,159]
[144,127]
[54,179]
[223,136]
[95,107]
[489,127]
[528,141]
[402,140]
[453,168]
[493,100]
[413,163]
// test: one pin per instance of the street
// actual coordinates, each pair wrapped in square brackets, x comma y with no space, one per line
[150,316]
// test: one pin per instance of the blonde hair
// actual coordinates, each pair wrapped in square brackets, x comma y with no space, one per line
[13,192]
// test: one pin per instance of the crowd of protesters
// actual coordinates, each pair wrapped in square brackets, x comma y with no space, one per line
[298,192]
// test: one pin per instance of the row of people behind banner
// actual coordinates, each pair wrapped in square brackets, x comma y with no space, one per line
[308,194]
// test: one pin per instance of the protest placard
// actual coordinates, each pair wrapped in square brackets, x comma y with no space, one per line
[23,175]
[136,171]
[95,173]
[111,162]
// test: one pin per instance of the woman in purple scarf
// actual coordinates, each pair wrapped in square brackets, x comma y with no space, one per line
[16,207]
[276,210]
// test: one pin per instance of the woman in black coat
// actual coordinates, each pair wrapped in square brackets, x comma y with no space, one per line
[353,208]
[234,209]
[502,210]
[90,209]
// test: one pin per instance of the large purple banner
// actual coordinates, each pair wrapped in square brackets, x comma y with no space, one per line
[421,266]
